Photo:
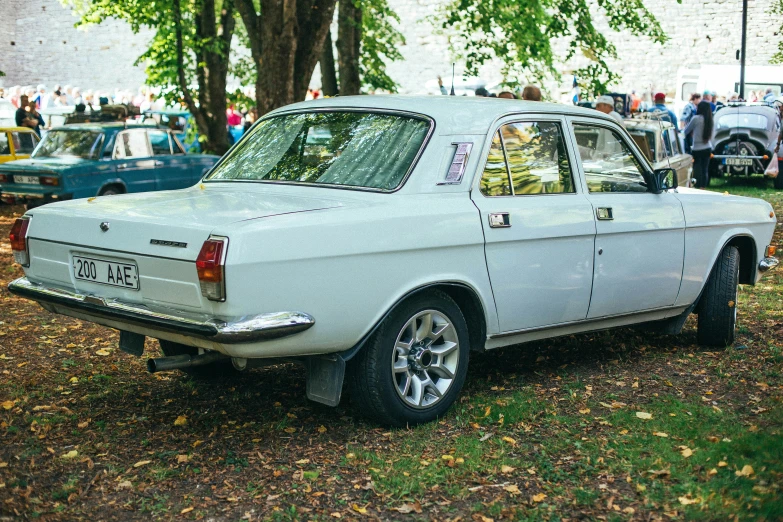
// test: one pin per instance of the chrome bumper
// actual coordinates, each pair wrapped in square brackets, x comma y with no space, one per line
[247,329]
[767,264]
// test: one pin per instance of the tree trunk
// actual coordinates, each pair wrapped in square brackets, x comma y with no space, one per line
[285,43]
[211,72]
[349,37]
[328,73]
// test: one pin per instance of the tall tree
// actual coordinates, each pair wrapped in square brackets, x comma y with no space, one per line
[520,33]
[188,56]
[286,39]
[349,39]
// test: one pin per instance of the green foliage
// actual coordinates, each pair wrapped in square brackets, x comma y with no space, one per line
[777,11]
[520,33]
[380,44]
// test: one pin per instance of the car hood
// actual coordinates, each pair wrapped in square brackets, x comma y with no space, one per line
[186,216]
[55,165]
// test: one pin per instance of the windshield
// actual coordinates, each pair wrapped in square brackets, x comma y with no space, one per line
[70,144]
[744,121]
[354,149]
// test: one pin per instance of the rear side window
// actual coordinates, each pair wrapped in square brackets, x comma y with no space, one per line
[5,148]
[527,158]
[24,142]
[131,144]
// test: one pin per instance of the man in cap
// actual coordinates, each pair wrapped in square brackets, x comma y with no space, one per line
[605,104]
[660,106]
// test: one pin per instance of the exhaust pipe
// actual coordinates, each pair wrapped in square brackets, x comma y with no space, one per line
[178,362]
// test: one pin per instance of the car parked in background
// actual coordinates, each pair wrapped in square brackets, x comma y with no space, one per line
[180,123]
[16,143]
[745,140]
[384,238]
[84,160]
[659,142]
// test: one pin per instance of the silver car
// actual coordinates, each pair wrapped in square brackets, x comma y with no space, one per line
[659,142]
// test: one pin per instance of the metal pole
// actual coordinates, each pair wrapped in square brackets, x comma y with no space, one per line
[742,49]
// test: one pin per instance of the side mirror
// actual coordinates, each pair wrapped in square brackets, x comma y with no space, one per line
[661,180]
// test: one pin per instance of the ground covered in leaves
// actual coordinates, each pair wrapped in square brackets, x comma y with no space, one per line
[617,425]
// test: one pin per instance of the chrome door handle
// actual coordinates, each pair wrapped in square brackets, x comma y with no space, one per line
[499,220]
[158,163]
[122,166]
[604,213]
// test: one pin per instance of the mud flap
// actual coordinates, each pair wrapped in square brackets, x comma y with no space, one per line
[132,343]
[325,374]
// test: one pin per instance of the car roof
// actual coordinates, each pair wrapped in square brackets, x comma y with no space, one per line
[103,127]
[452,114]
[16,129]
[766,110]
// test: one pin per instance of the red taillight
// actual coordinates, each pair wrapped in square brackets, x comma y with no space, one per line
[3,178]
[18,239]
[52,181]
[210,268]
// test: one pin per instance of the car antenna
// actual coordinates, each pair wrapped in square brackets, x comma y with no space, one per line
[452,93]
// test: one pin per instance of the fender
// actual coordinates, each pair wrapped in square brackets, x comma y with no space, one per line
[694,308]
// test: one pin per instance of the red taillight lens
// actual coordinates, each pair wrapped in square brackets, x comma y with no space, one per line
[3,178]
[52,181]
[18,239]
[210,268]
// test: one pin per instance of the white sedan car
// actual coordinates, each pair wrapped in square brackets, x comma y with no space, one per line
[385,238]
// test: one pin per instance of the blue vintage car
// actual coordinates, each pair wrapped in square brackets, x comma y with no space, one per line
[84,160]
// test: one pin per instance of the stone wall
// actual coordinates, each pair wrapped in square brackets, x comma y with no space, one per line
[38,44]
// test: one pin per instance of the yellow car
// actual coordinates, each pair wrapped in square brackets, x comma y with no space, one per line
[16,143]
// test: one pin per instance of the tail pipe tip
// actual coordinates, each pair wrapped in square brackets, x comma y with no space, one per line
[179,362]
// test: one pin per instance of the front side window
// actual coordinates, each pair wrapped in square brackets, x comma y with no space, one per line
[352,149]
[131,144]
[70,144]
[159,141]
[24,142]
[608,163]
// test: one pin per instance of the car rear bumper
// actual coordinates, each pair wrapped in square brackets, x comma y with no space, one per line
[767,264]
[246,329]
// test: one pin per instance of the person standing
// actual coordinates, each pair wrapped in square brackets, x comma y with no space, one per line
[38,120]
[688,112]
[707,97]
[660,106]
[605,104]
[22,117]
[702,128]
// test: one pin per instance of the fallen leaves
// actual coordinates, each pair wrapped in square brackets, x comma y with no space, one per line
[141,463]
[506,469]
[359,509]
[686,501]
[643,415]
[513,489]
[7,405]
[70,455]
[409,508]
[685,451]
[538,498]
[746,471]
[661,434]
[584,411]
[181,421]
[103,352]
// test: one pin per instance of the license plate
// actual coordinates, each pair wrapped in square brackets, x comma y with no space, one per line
[123,275]
[739,162]
[29,180]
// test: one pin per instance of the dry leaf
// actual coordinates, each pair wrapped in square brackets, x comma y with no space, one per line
[713,471]
[321,429]
[746,471]
[447,457]
[197,443]
[644,415]
[359,509]
[182,459]
[303,462]
[181,421]
[722,464]
[103,351]
[687,501]
[70,455]
[7,405]
[186,510]
[584,411]
[510,441]
[539,498]
[513,489]
[83,425]
[660,434]
[506,469]
[290,430]
[686,452]
[141,463]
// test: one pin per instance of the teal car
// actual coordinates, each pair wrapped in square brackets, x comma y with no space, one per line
[85,160]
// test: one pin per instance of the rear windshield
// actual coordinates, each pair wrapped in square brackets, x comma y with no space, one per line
[743,121]
[353,149]
[70,144]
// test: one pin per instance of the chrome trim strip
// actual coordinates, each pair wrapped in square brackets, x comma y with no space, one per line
[245,329]
[768,263]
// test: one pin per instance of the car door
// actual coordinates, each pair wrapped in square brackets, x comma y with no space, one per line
[538,225]
[681,162]
[171,170]
[640,236]
[133,160]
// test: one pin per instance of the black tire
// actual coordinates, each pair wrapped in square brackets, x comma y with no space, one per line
[111,190]
[718,304]
[374,385]
[215,370]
